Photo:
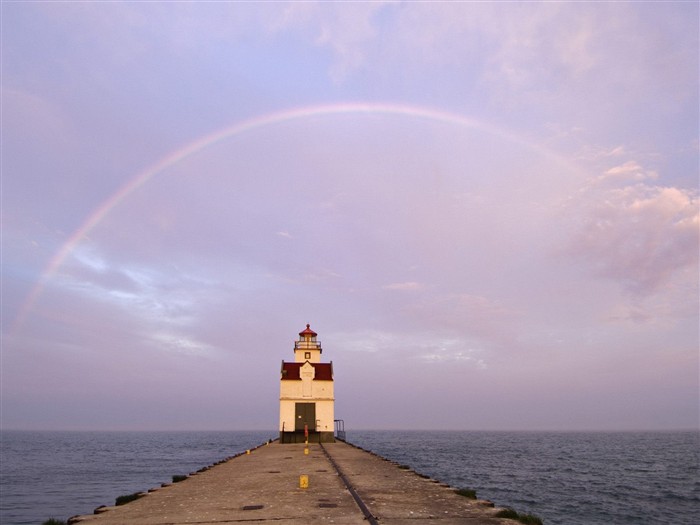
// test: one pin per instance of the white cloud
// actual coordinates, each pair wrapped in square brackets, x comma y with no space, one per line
[639,235]
[630,170]
[182,344]
[453,351]
[616,151]
[426,344]
[628,167]
[405,286]
[523,44]
[88,257]
[347,29]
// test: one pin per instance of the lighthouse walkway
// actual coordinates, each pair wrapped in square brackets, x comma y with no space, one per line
[346,486]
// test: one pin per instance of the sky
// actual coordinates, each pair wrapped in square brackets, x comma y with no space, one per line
[487,211]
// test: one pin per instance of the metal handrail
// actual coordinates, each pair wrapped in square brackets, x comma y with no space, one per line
[339,428]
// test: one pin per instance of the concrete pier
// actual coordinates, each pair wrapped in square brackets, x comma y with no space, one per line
[346,486]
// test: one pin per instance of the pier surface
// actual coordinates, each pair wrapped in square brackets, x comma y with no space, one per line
[346,486]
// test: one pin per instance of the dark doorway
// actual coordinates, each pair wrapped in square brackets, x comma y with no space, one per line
[305,414]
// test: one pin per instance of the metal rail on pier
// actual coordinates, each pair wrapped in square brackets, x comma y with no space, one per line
[371,519]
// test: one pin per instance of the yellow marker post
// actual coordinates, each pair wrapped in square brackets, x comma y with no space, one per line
[247,451]
[303,481]
[306,451]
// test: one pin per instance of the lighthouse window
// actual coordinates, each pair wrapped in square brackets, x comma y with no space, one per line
[307,355]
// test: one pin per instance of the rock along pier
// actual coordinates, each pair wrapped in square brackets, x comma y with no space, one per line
[301,484]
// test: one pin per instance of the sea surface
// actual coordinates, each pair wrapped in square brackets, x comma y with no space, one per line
[564,478]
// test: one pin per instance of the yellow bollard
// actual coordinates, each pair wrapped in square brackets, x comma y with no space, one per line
[247,451]
[303,481]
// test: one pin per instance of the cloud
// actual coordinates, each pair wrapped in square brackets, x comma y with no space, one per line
[405,286]
[630,170]
[471,316]
[640,236]
[349,30]
[616,151]
[519,49]
[422,345]
[155,294]
[627,167]
[33,117]
[453,352]
[182,344]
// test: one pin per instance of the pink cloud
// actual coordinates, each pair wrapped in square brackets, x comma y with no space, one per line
[640,235]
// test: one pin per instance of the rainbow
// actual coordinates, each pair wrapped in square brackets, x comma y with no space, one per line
[242,127]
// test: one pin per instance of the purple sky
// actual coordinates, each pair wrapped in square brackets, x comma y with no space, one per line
[488,212]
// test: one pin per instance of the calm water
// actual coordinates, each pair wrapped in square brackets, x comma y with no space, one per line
[61,474]
[565,478]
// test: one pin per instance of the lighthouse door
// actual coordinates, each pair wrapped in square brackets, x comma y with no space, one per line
[305,414]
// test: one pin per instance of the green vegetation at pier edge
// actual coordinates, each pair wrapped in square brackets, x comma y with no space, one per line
[123,500]
[528,519]
[54,521]
[179,477]
[467,493]
[507,513]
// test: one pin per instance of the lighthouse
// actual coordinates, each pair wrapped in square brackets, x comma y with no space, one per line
[306,393]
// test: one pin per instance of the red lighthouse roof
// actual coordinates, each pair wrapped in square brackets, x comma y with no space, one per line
[323,371]
[308,331]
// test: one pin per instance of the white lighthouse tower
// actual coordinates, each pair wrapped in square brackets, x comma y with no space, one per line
[306,393]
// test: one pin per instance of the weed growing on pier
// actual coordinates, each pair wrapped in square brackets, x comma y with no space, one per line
[54,521]
[179,477]
[527,519]
[467,493]
[123,500]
